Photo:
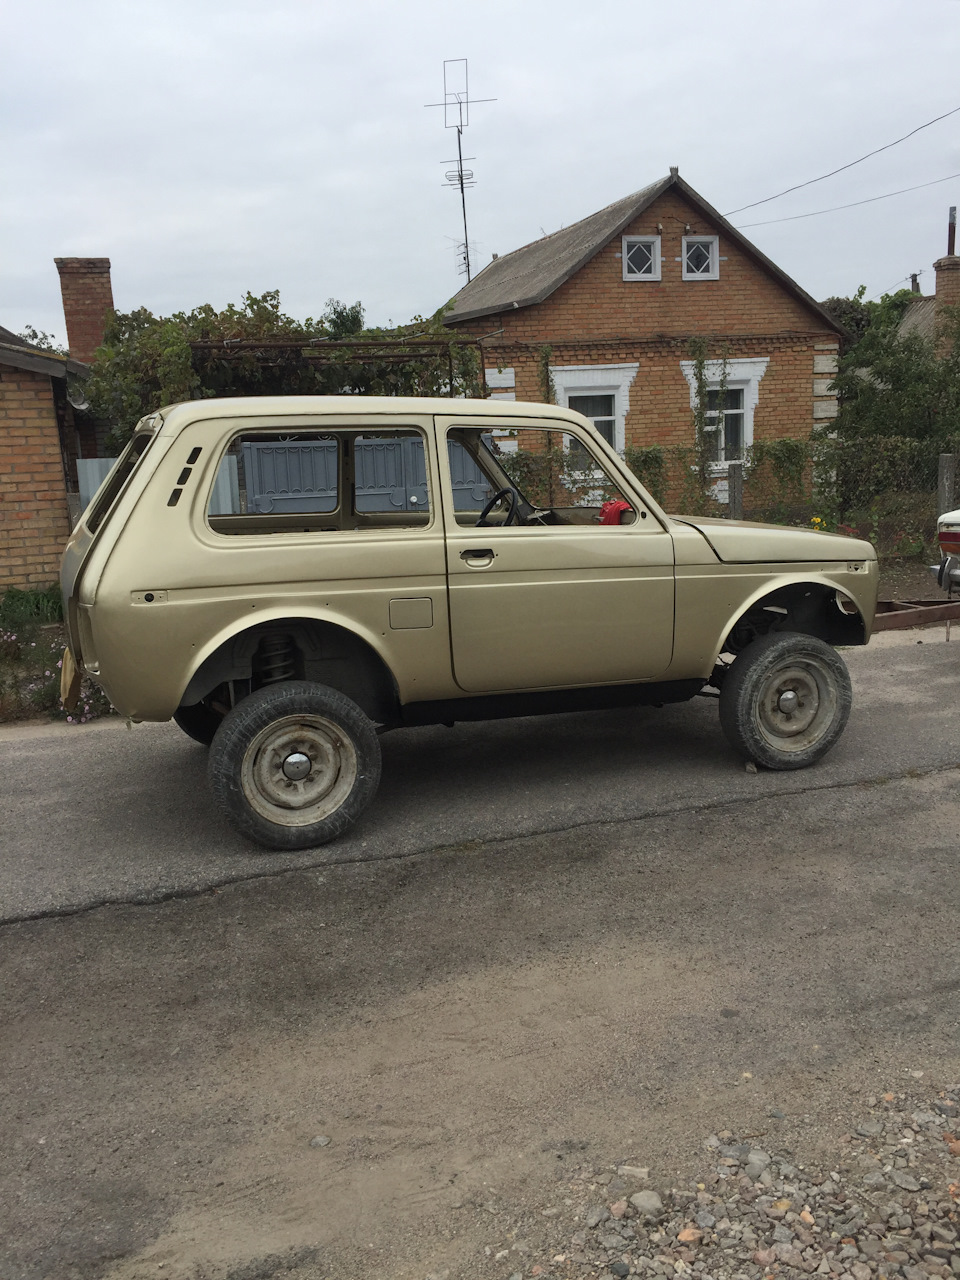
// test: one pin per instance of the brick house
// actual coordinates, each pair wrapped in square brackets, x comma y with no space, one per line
[38,450]
[618,296]
[924,314]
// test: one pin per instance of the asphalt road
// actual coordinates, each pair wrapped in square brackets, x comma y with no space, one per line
[101,813]
[552,945]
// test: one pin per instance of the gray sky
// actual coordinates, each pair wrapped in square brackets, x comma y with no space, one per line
[208,148]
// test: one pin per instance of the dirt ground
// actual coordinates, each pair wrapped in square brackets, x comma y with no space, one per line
[467,1028]
[908,580]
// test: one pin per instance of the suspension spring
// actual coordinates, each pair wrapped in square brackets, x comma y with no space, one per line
[275,659]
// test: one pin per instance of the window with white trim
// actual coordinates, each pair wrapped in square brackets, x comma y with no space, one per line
[641,257]
[731,423]
[723,425]
[700,258]
[606,386]
[602,412]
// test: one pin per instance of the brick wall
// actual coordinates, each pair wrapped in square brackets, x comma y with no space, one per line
[87,297]
[33,510]
[597,317]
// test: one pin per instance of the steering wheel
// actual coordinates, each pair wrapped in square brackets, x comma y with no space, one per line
[512,516]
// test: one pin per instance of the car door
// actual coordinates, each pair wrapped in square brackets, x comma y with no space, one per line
[561,599]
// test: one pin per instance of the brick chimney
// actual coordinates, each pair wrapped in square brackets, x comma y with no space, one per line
[948,268]
[87,297]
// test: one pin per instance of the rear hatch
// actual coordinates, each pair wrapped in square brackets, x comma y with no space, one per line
[95,520]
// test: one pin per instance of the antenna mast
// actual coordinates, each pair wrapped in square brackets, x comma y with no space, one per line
[456,115]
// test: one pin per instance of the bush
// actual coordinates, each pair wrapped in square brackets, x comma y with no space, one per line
[36,605]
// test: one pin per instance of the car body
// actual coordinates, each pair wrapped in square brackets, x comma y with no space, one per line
[947,572]
[425,561]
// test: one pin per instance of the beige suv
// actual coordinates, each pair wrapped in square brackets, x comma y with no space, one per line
[289,577]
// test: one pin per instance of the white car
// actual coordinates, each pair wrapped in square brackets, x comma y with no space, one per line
[947,572]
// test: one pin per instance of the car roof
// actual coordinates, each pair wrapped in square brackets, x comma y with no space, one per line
[176,417]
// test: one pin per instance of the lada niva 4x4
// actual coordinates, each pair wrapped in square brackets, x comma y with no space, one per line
[289,577]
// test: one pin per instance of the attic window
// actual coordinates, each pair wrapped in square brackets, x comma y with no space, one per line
[701,260]
[641,257]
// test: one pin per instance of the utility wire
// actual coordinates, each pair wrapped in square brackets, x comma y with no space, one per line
[891,287]
[870,200]
[886,147]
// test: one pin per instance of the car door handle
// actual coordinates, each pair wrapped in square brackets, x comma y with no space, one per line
[483,553]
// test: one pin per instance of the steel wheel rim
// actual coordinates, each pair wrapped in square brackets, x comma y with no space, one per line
[299,801]
[796,705]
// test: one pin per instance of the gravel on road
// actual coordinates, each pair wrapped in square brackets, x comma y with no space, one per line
[886,1207]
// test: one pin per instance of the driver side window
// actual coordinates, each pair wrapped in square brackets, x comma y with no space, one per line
[543,476]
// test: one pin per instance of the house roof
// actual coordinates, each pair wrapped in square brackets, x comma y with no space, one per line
[17,353]
[919,318]
[529,275]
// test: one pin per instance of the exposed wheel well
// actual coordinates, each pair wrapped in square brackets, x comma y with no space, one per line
[297,649]
[810,608]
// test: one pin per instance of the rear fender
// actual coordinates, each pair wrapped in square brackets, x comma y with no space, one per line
[345,657]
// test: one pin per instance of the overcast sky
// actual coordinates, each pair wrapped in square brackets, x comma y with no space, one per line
[210,148]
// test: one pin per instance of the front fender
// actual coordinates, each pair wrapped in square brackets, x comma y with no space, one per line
[856,588]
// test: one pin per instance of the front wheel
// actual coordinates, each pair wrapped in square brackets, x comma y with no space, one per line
[294,765]
[785,701]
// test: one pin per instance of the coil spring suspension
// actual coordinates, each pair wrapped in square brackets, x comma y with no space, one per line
[275,659]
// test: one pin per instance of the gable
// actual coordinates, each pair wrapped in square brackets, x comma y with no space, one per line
[546,274]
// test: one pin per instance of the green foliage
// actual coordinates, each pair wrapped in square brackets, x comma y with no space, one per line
[146,361]
[45,341]
[853,313]
[36,605]
[538,474]
[548,390]
[649,464]
[555,477]
[698,484]
[900,385]
[30,664]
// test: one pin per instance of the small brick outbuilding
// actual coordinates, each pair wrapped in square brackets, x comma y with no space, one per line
[40,440]
[618,296]
[38,450]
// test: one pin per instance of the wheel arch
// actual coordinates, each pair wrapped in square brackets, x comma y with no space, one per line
[326,652]
[808,606]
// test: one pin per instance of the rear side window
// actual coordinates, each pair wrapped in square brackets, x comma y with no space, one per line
[311,480]
[123,469]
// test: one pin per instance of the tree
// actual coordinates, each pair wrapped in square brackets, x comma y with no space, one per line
[894,384]
[148,361]
[37,338]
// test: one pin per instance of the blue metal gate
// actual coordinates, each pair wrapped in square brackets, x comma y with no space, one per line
[391,475]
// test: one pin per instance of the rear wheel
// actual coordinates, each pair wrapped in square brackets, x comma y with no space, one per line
[786,700]
[294,764]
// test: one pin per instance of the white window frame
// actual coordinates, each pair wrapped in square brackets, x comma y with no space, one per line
[501,383]
[655,273]
[714,272]
[598,380]
[741,375]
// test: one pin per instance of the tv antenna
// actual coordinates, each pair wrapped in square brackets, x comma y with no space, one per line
[456,115]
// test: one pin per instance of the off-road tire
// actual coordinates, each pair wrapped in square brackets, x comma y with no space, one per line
[281,729]
[785,701]
[198,722]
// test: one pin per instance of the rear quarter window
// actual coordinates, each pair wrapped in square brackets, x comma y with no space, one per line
[116,480]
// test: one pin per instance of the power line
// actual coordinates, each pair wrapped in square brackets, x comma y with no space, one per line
[891,287]
[823,176]
[870,200]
